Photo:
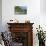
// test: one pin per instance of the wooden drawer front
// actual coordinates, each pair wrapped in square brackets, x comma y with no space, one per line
[20,29]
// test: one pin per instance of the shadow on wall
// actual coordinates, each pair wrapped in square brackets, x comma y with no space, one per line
[0,15]
[43,6]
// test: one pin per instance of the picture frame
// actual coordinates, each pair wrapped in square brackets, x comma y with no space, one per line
[20,10]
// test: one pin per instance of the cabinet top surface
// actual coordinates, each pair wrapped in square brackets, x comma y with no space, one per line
[19,23]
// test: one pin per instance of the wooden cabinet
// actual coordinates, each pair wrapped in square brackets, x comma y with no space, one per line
[22,33]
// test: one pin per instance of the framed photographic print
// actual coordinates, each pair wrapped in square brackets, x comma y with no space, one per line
[20,10]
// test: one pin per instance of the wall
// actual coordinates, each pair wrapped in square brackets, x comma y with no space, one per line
[43,6]
[43,14]
[33,10]
[34,14]
[0,15]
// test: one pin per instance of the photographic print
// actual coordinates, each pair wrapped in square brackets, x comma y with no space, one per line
[20,10]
